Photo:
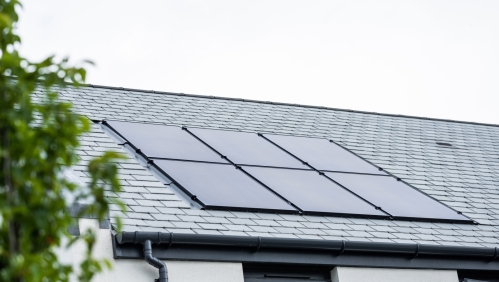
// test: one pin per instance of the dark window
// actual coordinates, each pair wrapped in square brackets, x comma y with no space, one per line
[478,275]
[259,273]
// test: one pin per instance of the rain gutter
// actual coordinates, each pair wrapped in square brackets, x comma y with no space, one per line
[248,249]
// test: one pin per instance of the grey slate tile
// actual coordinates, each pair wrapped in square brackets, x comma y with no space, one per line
[338,233]
[180,230]
[149,203]
[288,230]
[357,239]
[381,240]
[136,215]
[316,218]
[164,216]
[359,233]
[426,231]
[266,222]
[212,226]
[233,233]
[269,216]
[338,226]
[427,237]
[186,225]
[236,227]
[314,225]
[464,179]
[403,241]
[164,197]
[188,218]
[175,204]
[221,214]
[332,238]
[216,220]
[361,227]
[447,232]
[261,234]
[245,215]
[242,221]
[303,236]
[490,240]
[196,212]
[129,221]
[383,228]
[284,235]
[263,229]
[171,210]
[159,224]
[130,228]
[405,236]
[292,217]
[382,234]
[312,231]
[144,209]
[290,223]
[152,229]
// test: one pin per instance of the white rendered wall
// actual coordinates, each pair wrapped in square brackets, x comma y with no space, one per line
[360,274]
[134,270]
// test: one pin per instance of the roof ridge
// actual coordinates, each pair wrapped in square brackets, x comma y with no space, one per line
[285,104]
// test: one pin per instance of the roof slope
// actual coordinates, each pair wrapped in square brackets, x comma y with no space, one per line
[465,176]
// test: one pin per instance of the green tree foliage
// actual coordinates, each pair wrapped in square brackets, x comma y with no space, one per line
[38,140]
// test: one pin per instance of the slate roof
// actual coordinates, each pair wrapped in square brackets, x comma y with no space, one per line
[465,176]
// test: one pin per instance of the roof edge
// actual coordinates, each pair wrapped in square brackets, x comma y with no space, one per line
[255,244]
[284,104]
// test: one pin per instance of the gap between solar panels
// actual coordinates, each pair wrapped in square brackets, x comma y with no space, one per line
[233,170]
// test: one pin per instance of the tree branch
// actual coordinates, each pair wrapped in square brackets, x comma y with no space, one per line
[11,193]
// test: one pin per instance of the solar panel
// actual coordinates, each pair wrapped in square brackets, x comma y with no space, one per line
[395,197]
[160,141]
[221,185]
[312,192]
[247,148]
[201,172]
[323,155]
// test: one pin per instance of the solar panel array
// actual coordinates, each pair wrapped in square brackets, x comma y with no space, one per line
[233,170]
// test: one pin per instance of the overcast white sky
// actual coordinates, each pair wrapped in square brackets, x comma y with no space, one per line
[437,58]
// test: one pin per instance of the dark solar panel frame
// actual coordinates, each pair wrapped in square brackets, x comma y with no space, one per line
[331,141]
[126,142]
[140,152]
[387,216]
[344,187]
[150,161]
[229,208]
[358,156]
[469,220]
[424,219]
[246,164]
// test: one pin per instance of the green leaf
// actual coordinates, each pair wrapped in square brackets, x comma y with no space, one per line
[38,141]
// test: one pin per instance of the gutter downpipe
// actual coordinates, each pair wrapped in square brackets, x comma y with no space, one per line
[161,266]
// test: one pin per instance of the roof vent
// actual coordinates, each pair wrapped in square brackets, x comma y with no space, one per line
[444,144]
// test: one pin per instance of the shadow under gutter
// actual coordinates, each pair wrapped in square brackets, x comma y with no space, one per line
[200,247]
